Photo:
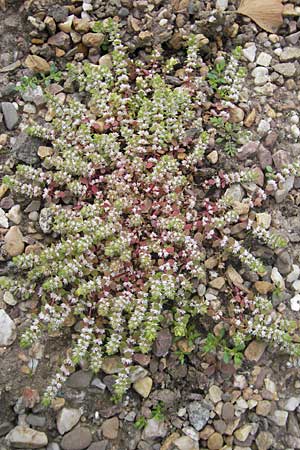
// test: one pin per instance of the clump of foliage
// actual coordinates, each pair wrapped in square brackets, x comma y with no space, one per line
[132,233]
[36,80]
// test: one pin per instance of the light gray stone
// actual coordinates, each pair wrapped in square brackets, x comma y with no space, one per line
[250,52]
[290,53]
[11,117]
[155,429]
[8,332]
[67,418]
[264,59]
[285,69]
[199,414]
[24,437]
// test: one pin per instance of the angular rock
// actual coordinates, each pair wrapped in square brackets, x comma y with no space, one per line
[264,59]
[289,53]
[162,343]
[110,428]
[37,64]
[264,157]
[8,332]
[199,414]
[250,52]
[14,214]
[77,439]
[111,365]
[215,441]
[247,151]
[186,443]
[285,69]
[61,40]
[143,386]
[67,419]
[80,379]
[215,394]
[93,40]
[11,117]
[24,437]
[14,244]
[255,350]
[264,440]
[155,429]
[3,219]
[279,417]
[25,149]
[281,159]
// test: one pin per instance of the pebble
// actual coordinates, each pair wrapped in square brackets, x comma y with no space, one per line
[290,53]
[14,244]
[143,386]
[37,64]
[247,151]
[295,303]
[186,443]
[264,59]
[14,214]
[67,418]
[277,278]
[296,285]
[25,437]
[261,75]
[243,432]
[263,408]
[291,404]
[215,441]
[263,127]
[80,379]
[280,417]
[110,428]
[155,429]
[77,439]
[294,275]
[281,158]
[264,440]
[249,52]
[8,332]
[11,117]
[94,40]
[162,343]
[255,350]
[215,394]
[199,413]
[3,219]
[285,69]
[9,298]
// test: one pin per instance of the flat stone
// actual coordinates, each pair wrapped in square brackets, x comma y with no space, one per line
[263,287]
[77,439]
[263,408]
[291,404]
[14,214]
[186,443]
[264,440]
[289,53]
[279,417]
[3,219]
[11,117]
[285,69]
[25,149]
[143,386]
[295,303]
[61,40]
[67,418]
[281,159]
[215,394]
[99,445]
[250,52]
[162,343]
[80,379]
[93,39]
[263,127]
[110,428]
[243,432]
[111,365]
[264,157]
[155,429]
[247,151]
[255,350]
[36,421]
[8,332]
[25,437]
[264,59]
[13,239]
[37,64]
[199,413]
[215,441]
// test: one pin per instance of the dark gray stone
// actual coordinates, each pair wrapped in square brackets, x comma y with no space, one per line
[25,149]
[162,343]
[78,439]
[99,445]
[80,379]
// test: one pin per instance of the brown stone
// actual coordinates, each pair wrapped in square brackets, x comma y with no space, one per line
[255,350]
[94,40]
[215,441]
[14,244]
[37,64]
[110,428]
[263,287]
[61,40]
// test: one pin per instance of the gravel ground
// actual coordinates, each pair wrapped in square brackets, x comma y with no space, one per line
[201,402]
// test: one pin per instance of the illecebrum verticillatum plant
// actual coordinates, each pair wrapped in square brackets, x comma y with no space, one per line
[133,234]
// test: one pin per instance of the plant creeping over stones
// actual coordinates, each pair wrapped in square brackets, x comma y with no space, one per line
[132,230]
